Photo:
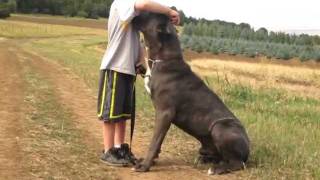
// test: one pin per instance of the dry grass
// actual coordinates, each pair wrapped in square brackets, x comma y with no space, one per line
[302,81]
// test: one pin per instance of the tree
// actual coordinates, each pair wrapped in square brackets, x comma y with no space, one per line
[4,11]
[261,34]
[82,14]
[12,4]
[71,8]
[316,55]
[245,34]
[182,17]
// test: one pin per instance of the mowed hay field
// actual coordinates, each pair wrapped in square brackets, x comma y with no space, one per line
[279,105]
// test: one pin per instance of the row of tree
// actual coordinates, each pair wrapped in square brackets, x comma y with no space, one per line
[225,37]
[222,29]
[250,48]
[83,8]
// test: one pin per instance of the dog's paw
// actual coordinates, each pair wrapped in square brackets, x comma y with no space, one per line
[141,168]
[210,171]
[201,159]
[218,170]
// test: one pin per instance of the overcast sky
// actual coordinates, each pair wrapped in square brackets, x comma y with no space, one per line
[272,14]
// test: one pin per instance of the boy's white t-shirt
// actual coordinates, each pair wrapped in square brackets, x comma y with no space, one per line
[124,43]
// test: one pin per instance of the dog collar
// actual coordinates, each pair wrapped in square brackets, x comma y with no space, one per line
[155,61]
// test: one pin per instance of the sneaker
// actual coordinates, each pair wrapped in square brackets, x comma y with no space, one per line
[125,153]
[112,158]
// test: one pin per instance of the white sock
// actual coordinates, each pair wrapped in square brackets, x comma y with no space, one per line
[117,146]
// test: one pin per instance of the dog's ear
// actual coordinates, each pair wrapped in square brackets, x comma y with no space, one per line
[137,22]
[140,20]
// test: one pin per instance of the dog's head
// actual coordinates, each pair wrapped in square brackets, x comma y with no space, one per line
[155,27]
[152,24]
[160,37]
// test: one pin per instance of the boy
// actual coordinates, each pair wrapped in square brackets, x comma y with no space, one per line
[117,76]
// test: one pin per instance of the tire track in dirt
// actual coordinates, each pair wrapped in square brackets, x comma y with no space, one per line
[11,115]
[76,96]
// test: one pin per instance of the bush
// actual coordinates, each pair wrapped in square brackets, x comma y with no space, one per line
[214,49]
[304,56]
[283,53]
[316,56]
[82,14]
[250,52]
[94,13]
[4,11]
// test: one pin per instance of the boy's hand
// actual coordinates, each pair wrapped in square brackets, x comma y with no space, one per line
[140,69]
[174,16]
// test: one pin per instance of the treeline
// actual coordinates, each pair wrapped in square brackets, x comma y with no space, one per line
[224,37]
[6,7]
[83,8]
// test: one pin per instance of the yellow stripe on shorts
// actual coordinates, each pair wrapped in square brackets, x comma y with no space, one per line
[113,92]
[103,93]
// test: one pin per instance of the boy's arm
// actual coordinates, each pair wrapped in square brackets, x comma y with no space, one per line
[148,5]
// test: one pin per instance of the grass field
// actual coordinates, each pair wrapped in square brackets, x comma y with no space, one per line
[279,105]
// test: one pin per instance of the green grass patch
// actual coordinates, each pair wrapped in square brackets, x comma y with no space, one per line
[16,30]
[283,130]
[76,53]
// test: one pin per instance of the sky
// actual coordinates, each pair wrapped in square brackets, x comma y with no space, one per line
[272,14]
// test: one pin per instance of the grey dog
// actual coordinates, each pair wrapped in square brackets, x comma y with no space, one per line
[181,98]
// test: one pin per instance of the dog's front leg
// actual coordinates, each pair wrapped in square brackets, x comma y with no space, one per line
[162,125]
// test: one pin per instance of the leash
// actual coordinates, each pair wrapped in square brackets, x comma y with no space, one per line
[133,118]
[153,63]
[133,105]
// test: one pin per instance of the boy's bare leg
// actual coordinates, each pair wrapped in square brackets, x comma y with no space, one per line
[120,133]
[108,135]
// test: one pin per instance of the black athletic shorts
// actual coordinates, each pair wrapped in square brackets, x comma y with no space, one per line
[116,96]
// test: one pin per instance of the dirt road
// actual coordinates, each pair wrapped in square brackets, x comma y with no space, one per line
[11,114]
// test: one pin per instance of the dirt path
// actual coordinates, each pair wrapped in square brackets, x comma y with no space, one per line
[11,114]
[76,96]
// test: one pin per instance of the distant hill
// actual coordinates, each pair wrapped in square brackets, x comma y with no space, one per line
[303,31]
